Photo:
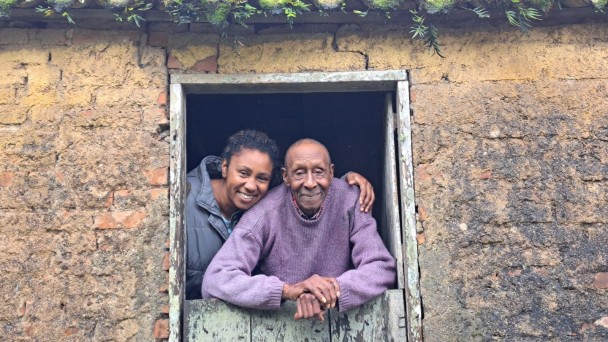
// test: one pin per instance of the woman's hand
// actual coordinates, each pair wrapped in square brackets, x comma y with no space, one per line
[367,196]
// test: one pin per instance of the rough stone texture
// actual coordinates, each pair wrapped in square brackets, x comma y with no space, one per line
[511,166]
[285,53]
[188,51]
[511,172]
[484,54]
[83,218]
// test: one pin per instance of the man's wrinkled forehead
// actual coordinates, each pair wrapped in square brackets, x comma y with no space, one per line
[306,147]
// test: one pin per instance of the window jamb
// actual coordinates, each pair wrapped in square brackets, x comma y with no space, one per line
[269,83]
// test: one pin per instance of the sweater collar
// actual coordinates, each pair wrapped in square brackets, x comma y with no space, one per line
[302,214]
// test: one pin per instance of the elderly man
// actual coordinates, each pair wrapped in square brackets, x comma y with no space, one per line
[310,243]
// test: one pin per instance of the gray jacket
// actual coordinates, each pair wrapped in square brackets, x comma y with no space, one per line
[205,230]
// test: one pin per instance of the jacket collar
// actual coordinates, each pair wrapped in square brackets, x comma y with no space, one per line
[211,168]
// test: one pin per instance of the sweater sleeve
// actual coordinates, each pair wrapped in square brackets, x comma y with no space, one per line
[229,278]
[374,267]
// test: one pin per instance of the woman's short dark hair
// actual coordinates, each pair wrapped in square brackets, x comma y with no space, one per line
[252,140]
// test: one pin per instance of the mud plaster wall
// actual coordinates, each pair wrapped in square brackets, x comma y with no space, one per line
[83,186]
[510,152]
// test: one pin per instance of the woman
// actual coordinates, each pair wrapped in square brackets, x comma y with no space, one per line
[222,188]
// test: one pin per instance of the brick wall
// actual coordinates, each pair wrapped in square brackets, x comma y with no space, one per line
[83,185]
[510,152]
[511,164]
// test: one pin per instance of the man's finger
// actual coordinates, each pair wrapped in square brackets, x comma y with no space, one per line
[330,293]
[319,295]
[336,286]
[307,308]
[298,314]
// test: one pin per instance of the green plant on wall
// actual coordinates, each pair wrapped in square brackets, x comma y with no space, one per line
[5,6]
[222,13]
[290,8]
[130,11]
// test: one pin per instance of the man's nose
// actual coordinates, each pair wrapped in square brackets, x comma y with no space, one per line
[309,181]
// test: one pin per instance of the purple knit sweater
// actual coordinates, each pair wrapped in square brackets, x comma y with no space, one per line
[342,243]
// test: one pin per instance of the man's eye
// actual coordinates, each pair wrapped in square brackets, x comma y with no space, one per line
[242,173]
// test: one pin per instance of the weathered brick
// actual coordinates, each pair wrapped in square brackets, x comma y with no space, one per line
[7,96]
[159,193]
[422,214]
[162,98]
[158,176]
[602,322]
[174,63]
[70,331]
[420,238]
[159,39]
[124,219]
[164,287]
[601,280]
[161,329]
[13,36]
[50,37]
[93,37]
[208,64]
[167,261]
[585,327]
[12,115]
[6,178]
[122,193]
[486,174]
[283,53]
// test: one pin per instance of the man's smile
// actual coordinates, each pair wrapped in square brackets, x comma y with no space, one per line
[311,195]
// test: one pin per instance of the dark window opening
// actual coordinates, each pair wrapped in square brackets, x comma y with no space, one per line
[351,125]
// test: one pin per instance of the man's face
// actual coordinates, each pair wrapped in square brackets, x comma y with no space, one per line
[247,177]
[308,173]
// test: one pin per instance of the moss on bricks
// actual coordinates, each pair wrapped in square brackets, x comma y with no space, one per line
[273,6]
[60,5]
[217,12]
[5,5]
[436,6]
[328,4]
[599,4]
[384,4]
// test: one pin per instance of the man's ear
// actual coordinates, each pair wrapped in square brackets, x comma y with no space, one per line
[284,174]
[331,171]
[224,168]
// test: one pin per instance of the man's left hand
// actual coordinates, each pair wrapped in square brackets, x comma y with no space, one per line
[308,307]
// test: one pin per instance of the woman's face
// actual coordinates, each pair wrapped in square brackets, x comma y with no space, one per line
[247,177]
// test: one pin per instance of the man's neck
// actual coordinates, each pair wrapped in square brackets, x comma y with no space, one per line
[304,214]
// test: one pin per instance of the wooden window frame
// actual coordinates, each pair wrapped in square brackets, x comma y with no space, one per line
[392,81]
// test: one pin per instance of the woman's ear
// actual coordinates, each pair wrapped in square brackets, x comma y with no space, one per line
[224,168]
